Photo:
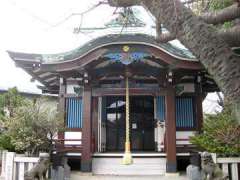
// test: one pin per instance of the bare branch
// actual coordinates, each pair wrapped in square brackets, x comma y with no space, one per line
[78,14]
[221,16]
[220,99]
[158,27]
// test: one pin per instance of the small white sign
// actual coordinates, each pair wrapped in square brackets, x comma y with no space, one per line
[134,126]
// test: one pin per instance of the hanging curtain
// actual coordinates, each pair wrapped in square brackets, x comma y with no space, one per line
[74,112]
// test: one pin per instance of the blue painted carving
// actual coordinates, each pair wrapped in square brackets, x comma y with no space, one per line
[126,58]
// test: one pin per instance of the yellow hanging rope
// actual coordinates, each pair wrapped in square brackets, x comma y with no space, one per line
[127,158]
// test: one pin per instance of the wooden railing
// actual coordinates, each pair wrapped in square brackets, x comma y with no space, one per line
[68,145]
[14,166]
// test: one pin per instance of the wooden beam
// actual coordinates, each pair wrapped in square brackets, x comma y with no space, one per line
[171,166]
[132,91]
[135,69]
[86,158]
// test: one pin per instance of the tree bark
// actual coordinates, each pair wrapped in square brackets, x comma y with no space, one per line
[231,36]
[202,40]
[221,16]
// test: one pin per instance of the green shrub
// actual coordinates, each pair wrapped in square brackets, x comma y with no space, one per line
[33,126]
[29,125]
[221,134]
[217,5]
[5,143]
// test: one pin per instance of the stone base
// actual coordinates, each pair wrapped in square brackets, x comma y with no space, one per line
[176,174]
[84,173]
[86,166]
[171,167]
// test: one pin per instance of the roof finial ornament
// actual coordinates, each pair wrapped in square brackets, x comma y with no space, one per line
[126,18]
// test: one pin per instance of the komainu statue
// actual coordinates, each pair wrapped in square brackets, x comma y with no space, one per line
[210,170]
[39,171]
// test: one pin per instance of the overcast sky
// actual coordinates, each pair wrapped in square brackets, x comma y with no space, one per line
[28,26]
[38,27]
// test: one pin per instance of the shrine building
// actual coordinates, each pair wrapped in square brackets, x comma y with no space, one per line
[119,86]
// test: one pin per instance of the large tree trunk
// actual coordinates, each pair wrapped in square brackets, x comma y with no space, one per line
[202,40]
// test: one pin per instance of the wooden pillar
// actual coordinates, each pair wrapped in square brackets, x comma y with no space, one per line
[86,158]
[171,166]
[61,104]
[94,123]
[199,109]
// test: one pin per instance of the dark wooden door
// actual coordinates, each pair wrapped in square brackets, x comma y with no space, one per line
[141,123]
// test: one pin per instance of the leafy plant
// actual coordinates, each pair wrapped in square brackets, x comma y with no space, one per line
[221,134]
[219,4]
[33,127]
[5,142]
[10,101]
[27,125]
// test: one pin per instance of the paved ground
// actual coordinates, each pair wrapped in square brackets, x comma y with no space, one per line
[80,176]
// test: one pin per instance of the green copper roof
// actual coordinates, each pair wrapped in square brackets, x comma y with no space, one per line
[112,39]
[117,39]
[126,18]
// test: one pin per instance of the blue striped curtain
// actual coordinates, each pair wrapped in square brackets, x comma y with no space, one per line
[184,112]
[160,108]
[74,112]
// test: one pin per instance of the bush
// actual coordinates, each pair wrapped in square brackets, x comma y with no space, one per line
[5,143]
[33,126]
[27,125]
[9,103]
[221,134]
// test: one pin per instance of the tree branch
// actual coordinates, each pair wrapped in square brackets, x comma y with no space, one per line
[160,36]
[221,16]
[217,17]
[220,99]
[123,3]
[165,37]
[231,35]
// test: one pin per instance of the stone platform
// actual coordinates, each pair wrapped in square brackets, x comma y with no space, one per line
[89,176]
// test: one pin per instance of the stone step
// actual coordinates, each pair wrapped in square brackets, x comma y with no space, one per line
[140,166]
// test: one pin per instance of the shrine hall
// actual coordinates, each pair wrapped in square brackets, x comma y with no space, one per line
[129,104]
